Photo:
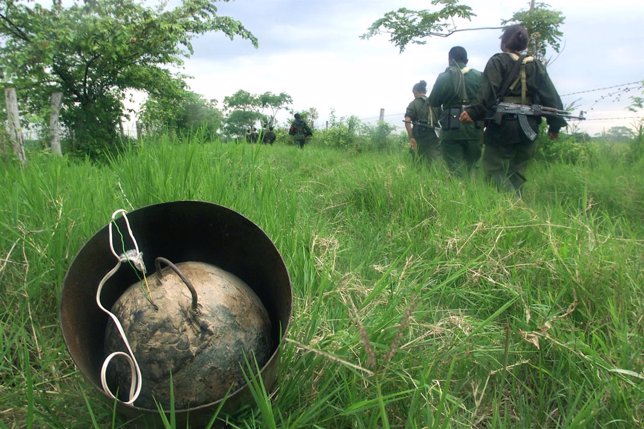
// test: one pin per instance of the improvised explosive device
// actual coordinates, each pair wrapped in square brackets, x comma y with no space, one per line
[195,327]
[228,249]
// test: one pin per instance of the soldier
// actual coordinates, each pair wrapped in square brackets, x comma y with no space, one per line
[455,88]
[269,136]
[300,130]
[251,135]
[511,77]
[419,123]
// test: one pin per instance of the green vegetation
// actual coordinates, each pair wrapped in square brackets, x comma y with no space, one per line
[407,26]
[94,51]
[419,301]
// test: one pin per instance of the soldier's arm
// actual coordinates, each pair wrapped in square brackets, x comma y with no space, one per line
[491,81]
[437,95]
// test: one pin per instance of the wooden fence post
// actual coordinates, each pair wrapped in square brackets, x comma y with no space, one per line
[14,130]
[54,123]
[139,130]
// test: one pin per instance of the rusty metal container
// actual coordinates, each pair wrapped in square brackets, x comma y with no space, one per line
[180,231]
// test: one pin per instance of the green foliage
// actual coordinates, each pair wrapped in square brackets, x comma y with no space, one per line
[543,27]
[351,133]
[245,110]
[381,135]
[570,149]
[637,101]
[183,112]
[406,26]
[238,122]
[419,301]
[94,50]
[342,133]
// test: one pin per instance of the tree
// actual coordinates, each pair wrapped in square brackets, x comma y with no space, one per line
[406,26]
[245,110]
[619,134]
[543,27]
[93,51]
[274,103]
[181,112]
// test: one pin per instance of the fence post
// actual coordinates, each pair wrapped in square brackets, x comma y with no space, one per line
[54,124]
[14,130]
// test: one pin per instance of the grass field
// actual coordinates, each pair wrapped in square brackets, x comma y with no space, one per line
[419,301]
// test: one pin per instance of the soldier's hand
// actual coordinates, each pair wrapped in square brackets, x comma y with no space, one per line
[465,117]
[412,143]
[553,135]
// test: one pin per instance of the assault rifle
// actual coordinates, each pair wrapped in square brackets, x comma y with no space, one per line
[523,111]
[437,128]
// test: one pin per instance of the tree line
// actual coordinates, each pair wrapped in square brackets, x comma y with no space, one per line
[93,51]
[67,69]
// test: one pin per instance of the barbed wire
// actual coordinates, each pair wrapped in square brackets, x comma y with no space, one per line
[639,83]
[616,118]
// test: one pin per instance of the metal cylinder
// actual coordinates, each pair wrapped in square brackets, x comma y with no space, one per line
[180,231]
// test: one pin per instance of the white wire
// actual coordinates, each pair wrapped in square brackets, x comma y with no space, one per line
[136,258]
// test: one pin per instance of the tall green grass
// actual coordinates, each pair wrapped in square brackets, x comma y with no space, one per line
[419,300]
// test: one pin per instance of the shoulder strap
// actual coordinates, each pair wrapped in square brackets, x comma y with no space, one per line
[514,73]
[523,78]
[458,74]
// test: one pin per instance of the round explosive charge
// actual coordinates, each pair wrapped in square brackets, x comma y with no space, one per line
[193,325]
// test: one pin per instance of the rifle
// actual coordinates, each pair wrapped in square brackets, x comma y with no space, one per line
[437,129]
[523,111]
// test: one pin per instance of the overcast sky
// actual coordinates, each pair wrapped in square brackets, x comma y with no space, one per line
[312,51]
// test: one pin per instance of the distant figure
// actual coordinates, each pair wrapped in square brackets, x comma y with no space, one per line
[300,130]
[420,121]
[252,135]
[455,88]
[269,136]
[512,77]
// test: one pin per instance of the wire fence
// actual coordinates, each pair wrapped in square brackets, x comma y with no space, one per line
[615,92]
[396,118]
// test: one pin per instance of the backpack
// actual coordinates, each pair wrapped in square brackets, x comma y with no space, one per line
[300,128]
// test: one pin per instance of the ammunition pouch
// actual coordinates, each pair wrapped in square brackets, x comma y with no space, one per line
[449,118]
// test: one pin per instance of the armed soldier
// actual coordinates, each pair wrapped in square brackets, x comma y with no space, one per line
[420,121]
[300,130]
[269,136]
[513,78]
[455,88]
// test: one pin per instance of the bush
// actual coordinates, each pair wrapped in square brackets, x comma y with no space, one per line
[352,133]
[571,149]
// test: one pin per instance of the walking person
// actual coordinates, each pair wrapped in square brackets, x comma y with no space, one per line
[512,77]
[269,136]
[300,130]
[454,89]
[420,121]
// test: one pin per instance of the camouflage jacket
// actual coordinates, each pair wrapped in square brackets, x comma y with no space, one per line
[419,112]
[539,87]
[300,129]
[455,87]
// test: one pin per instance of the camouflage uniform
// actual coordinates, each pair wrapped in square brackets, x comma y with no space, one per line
[269,136]
[507,149]
[460,143]
[300,131]
[423,129]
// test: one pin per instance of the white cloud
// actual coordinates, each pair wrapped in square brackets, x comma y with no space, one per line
[312,51]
